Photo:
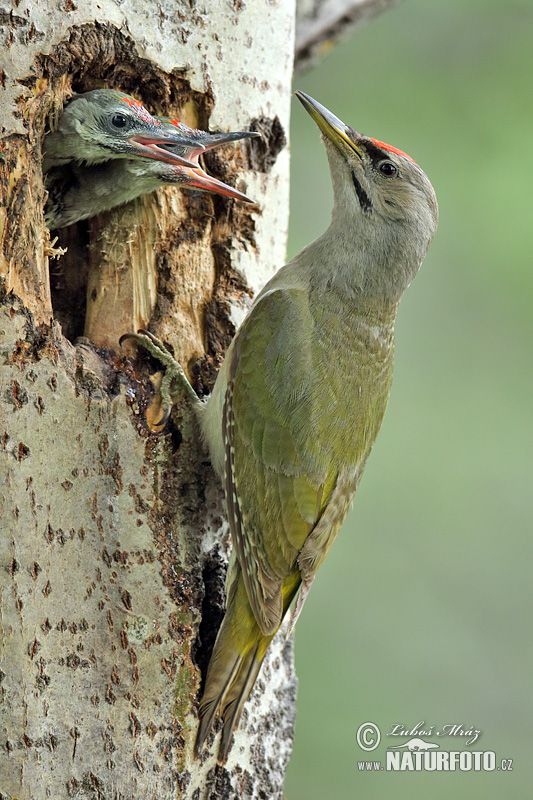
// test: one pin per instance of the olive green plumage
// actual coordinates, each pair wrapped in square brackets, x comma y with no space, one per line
[298,426]
[300,398]
[298,421]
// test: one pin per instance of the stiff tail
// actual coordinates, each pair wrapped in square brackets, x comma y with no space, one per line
[237,656]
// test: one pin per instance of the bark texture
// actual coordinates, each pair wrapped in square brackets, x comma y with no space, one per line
[113,543]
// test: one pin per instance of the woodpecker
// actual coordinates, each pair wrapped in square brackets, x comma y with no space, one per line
[77,192]
[105,124]
[108,150]
[300,398]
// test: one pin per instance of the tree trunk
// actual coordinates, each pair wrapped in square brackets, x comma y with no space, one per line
[114,539]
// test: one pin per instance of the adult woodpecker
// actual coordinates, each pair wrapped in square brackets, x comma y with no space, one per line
[77,192]
[106,124]
[300,398]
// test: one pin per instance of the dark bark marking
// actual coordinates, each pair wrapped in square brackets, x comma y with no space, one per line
[23,451]
[74,732]
[33,648]
[19,395]
[135,725]
[265,150]
[126,599]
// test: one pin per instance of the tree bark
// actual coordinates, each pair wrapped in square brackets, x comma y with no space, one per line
[114,541]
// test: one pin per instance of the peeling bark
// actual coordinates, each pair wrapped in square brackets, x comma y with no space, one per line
[114,541]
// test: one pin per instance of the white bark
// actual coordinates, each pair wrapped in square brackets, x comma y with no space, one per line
[108,532]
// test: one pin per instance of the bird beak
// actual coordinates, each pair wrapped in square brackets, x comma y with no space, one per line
[212,140]
[330,125]
[153,146]
[198,179]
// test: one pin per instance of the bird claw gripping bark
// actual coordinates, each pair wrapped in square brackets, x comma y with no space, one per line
[173,374]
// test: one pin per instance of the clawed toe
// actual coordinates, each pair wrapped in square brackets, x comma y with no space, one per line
[151,343]
[164,419]
[174,373]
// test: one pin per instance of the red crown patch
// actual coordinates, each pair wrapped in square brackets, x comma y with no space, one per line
[392,149]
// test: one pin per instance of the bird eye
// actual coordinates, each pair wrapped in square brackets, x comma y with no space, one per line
[119,121]
[388,169]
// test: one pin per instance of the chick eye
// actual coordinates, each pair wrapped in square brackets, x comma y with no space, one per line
[119,121]
[388,169]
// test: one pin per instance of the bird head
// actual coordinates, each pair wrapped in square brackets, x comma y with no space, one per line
[384,203]
[106,124]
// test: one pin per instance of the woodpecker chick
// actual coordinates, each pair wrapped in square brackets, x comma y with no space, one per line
[76,193]
[106,124]
[300,398]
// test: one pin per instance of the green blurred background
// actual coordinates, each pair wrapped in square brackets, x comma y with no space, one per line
[422,610]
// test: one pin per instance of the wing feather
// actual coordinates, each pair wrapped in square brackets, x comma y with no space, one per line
[296,431]
[272,489]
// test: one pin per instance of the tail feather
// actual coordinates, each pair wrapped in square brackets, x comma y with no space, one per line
[211,702]
[232,711]
[237,656]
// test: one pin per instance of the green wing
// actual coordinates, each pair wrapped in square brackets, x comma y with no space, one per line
[307,390]
[278,479]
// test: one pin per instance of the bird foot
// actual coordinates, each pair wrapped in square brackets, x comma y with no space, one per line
[174,373]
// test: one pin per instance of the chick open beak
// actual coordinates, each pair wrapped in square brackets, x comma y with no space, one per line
[208,141]
[198,179]
[212,140]
[153,145]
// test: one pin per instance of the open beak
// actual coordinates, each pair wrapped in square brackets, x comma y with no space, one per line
[198,179]
[330,125]
[153,146]
[212,140]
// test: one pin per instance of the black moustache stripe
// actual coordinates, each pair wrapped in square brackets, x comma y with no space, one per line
[364,200]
